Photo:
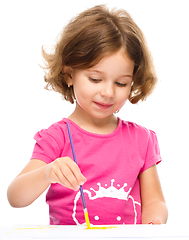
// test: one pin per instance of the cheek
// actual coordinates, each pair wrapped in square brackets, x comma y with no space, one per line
[121,104]
[122,96]
[82,92]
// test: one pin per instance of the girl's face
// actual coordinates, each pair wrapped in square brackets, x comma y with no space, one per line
[103,89]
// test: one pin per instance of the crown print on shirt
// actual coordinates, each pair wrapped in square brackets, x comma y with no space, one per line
[111,192]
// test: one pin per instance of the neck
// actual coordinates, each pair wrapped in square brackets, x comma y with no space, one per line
[92,124]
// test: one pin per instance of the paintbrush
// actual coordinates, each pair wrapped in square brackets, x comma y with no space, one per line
[81,188]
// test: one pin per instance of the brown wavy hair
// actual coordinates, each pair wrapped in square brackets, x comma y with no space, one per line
[92,35]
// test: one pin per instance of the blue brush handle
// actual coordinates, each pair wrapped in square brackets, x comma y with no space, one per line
[75,160]
[70,136]
[82,197]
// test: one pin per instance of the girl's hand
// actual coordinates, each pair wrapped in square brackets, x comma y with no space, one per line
[155,221]
[65,172]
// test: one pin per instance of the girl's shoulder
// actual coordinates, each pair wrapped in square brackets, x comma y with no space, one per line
[55,131]
[138,132]
[50,142]
[143,139]
[57,127]
[132,126]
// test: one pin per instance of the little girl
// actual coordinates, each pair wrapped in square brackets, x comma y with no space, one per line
[100,61]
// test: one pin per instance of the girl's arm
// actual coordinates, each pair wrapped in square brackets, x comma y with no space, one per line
[28,185]
[36,177]
[154,209]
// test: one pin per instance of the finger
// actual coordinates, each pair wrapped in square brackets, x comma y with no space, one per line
[64,179]
[69,175]
[77,173]
[156,221]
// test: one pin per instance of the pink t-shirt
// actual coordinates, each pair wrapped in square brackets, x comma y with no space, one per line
[110,162]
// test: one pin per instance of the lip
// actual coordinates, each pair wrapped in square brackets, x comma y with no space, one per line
[103,105]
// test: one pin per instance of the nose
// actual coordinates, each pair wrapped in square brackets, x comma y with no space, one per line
[107,90]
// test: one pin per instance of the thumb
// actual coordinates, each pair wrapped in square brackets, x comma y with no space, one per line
[155,221]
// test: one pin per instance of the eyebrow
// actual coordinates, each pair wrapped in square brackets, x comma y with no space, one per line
[90,70]
[98,71]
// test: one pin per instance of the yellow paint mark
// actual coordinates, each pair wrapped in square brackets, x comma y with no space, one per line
[99,228]
[33,228]
[87,220]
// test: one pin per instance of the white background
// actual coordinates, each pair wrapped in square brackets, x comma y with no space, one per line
[26,107]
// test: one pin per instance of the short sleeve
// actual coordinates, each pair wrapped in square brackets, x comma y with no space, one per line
[152,152]
[48,146]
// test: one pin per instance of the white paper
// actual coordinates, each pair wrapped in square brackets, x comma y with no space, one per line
[80,232]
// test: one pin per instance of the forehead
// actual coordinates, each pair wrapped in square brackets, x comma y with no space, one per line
[119,62]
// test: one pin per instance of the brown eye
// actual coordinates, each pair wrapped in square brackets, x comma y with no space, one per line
[121,84]
[94,80]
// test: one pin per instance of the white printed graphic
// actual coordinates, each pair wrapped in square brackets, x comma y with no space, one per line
[111,192]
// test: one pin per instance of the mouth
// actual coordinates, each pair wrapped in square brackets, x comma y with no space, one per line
[103,105]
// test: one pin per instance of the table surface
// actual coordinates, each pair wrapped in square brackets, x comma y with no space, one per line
[129,232]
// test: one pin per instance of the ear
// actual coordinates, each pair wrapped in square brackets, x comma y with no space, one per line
[68,75]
